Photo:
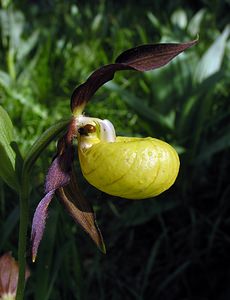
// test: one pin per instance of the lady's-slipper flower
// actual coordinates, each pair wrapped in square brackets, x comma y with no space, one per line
[132,168]
[9,277]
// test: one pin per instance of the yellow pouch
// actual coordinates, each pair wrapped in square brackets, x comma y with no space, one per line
[133,168]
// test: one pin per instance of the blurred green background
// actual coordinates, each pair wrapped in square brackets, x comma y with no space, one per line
[175,246]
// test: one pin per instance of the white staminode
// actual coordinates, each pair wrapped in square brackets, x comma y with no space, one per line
[105,129]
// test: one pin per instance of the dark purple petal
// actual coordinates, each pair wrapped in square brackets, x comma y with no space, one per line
[57,177]
[58,174]
[141,58]
[59,171]
[39,221]
[80,209]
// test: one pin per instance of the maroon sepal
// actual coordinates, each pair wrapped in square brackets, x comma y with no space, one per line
[141,58]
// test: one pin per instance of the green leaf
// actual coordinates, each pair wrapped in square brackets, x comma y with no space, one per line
[219,144]
[152,259]
[179,18]
[185,122]
[5,80]
[195,23]
[141,108]
[42,142]
[139,213]
[174,275]
[27,45]
[212,59]
[7,155]
[154,21]
[8,226]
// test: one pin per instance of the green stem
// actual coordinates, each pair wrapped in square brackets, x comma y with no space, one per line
[10,64]
[24,212]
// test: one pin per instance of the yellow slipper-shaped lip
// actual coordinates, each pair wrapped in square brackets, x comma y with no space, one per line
[133,168]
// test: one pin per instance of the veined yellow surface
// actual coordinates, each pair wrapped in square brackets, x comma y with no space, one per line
[133,168]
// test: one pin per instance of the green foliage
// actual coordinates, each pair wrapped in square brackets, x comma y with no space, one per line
[42,142]
[8,157]
[171,247]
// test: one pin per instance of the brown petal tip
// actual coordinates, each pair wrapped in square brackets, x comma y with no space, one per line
[102,248]
[79,207]
[152,56]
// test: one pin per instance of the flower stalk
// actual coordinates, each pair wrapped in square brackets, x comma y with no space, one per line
[23,227]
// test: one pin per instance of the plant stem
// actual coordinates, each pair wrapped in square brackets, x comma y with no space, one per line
[10,63]
[24,212]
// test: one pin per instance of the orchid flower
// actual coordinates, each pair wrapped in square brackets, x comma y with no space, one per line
[152,165]
[9,277]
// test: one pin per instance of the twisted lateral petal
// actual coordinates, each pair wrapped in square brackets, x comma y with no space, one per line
[57,177]
[59,171]
[39,221]
[141,58]
[58,174]
[81,211]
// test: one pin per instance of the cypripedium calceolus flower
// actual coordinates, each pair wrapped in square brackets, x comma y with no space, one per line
[9,277]
[133,168]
